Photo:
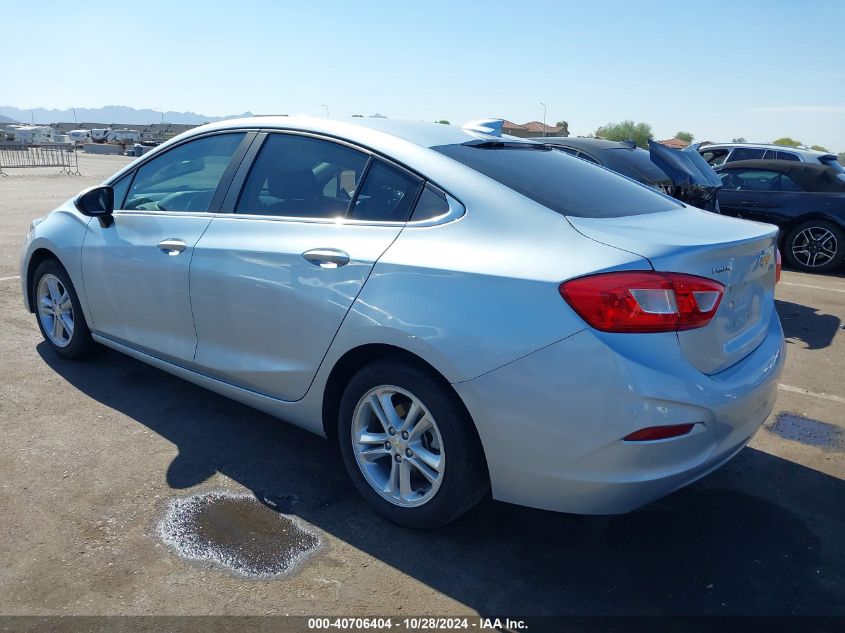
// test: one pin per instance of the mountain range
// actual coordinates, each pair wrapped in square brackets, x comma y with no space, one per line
[107,114]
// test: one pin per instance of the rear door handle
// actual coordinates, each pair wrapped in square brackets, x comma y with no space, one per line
[326,257]
[171,246]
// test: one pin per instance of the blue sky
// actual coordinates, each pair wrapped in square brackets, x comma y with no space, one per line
[758,69]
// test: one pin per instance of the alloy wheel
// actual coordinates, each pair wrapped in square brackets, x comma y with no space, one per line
[815,246]
[398,446]
[55,310]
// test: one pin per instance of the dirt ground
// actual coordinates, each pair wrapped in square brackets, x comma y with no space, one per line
[92,453]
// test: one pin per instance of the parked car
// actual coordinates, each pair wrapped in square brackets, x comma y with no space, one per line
[719,153]
[460,312]
[805,200]
[677,173]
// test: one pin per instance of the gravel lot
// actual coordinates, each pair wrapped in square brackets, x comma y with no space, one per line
[91,455]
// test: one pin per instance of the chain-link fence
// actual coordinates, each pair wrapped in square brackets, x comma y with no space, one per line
[61,155]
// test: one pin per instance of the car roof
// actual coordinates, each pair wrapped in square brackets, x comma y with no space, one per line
[812,176]
[799,150]
[367,131]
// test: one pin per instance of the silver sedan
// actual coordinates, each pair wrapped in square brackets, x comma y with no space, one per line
[463,312]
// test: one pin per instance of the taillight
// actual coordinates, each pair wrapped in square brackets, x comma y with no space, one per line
[778,265]
[643,301]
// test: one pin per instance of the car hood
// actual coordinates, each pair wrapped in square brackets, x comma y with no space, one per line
[693,180]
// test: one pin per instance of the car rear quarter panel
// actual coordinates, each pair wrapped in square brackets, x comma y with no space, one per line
[477,293]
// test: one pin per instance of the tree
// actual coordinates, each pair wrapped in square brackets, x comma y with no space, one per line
[819,148]
[563,127]
[686,137]
[443,121]
[626,131]
[786,142]
[739,139]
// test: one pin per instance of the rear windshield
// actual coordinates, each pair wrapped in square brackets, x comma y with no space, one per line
[558,181]
[636,164]
[831,161]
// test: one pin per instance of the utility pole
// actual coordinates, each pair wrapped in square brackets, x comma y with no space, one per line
[327,109]
[544,118]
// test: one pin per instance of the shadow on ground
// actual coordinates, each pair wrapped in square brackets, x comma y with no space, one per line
[761,536]
[807,324]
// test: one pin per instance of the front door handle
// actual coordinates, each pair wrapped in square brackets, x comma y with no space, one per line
[171,246]
[326,257]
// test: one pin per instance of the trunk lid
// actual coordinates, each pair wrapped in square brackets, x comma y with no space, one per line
[737,253]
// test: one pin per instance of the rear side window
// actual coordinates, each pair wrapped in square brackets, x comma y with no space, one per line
[560,182]
[787,156]
[432,204]
[387,195]
[301,176]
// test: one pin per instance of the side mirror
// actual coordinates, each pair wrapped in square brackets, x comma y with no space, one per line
[97,202]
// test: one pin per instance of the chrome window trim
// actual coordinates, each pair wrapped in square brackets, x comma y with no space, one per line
[456,211]
[456,208]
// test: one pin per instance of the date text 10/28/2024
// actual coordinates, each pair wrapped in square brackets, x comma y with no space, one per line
[421,623]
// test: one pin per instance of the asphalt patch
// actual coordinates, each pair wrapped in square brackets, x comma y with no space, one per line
[798,428]
[237,532]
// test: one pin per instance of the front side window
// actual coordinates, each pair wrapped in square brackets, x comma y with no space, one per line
[715,157]
[302,176]
[560,182]
[121,187]
[746,153]
[183,178]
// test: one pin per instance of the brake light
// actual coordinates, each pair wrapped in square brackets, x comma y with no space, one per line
[778,265]
[659,433]
[643,301]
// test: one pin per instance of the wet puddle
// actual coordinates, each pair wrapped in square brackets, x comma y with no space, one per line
[237,532]
[807,431]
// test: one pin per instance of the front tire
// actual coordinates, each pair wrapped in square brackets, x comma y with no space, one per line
[815,246]
[58,312]
[409,445]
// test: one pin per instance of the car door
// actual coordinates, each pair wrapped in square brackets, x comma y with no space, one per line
[747,193]
[272,281]
[135,271]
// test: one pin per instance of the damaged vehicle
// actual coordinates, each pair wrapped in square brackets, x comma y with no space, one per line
[805,200]
[682,174]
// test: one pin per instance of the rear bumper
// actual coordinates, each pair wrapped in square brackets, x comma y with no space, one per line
[551,423]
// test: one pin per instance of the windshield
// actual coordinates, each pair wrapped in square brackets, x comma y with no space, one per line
[558,181]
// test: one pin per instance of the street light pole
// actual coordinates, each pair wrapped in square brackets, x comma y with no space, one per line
[327,109]
[544,118]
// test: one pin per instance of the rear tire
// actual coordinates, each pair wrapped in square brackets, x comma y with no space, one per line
[409,445]
[58,312]
[815,246]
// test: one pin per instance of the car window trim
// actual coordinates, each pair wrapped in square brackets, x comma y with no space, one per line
[456,207]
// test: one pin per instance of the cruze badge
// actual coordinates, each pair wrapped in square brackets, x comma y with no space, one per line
[722,269]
